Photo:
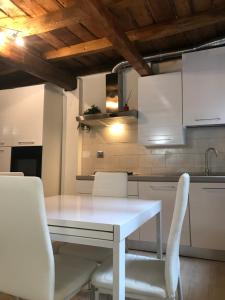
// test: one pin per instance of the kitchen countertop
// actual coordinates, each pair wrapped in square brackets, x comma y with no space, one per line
[164,178]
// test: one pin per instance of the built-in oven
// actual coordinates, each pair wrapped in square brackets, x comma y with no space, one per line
[27,160]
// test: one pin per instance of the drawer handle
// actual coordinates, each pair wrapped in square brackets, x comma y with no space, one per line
[205,188]
[2,143]
[1,150]
[209,119]
[163,188]
[25,143]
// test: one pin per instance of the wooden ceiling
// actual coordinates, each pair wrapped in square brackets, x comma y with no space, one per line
[69,38]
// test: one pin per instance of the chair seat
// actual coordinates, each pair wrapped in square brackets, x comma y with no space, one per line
[144,276]
[71,273]
[97,254]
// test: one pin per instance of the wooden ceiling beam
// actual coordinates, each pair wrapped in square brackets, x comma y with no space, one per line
[100,13]
[6,69]
[148,33]
[44,23]
[36,66]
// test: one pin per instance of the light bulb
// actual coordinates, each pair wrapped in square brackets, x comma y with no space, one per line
[2,38]
[19,41]
[117,129]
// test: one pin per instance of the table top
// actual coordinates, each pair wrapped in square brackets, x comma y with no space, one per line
[86,211]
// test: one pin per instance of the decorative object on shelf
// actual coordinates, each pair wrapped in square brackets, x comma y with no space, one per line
[94,109]
[126,107]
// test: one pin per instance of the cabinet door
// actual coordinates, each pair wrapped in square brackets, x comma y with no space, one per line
[5,129]
[160,110]
[84,186]
[207,215]
[203,87]
[23,117]
[5,159]
[166,192]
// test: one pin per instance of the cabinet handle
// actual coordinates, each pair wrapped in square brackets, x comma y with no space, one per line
[163,188]
[25,143]
[159,140]
[1,150]
[219,188]
[2,143]
[209,119]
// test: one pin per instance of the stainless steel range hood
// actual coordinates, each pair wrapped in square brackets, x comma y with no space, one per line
[115,112]
[107,119]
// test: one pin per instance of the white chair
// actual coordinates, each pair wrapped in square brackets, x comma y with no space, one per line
[107,184]
[110,184]
[28,268]
[11,174]
[148,278]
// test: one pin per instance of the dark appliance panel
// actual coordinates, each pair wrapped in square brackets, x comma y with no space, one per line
[27,160]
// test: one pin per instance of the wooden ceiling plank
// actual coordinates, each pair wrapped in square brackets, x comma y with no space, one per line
[201,5]
[117,37]
[33,9]
[10,9]
[49,5]
[183,8]
[47,22]
[148,33]
[161,10]
[34,65]
[141,15]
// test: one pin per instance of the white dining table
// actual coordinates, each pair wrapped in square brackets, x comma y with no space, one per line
[104,222]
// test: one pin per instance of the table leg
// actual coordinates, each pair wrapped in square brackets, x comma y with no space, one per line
[159,235]
[119,270]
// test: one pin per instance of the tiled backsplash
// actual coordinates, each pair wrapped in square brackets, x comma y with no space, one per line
[124,153]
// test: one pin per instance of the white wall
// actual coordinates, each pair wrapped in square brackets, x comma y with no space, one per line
[70,143]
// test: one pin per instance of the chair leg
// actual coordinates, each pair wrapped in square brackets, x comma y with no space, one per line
[97,295]
[92,292]
[179,289]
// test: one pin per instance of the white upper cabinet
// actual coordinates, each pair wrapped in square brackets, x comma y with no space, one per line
[204,87]
[160,110]
[21,116]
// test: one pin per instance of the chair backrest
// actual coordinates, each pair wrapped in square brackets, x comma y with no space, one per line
[110,184]
[26,258]
[11,174]
[172,265]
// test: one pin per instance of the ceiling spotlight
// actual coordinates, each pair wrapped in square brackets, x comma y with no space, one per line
[2,38]
[19,41]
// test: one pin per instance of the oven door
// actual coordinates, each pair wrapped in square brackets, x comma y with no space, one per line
[27,160]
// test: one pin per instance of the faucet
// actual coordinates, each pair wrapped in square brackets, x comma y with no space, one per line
[207,169]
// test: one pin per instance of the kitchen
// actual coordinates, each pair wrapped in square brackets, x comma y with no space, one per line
[78,100]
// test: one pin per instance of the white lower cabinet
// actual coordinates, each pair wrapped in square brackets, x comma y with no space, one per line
[207,210]
[166,192]
[5,158]
[84,186]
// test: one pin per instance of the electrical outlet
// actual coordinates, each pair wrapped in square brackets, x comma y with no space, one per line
[100,154]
